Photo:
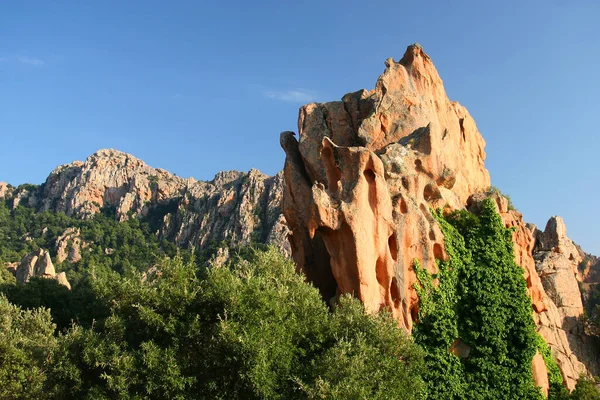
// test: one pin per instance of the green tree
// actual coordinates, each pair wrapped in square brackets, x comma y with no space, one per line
[251,330]
[26,346]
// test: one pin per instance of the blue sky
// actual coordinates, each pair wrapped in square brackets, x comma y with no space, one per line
[196,87]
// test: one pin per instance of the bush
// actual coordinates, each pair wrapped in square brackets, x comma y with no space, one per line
[586,389]
[253,330]
[26,346]
[494,190]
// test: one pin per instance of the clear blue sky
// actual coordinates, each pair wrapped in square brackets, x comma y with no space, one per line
[196,87]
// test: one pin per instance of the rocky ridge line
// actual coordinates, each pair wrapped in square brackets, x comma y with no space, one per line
[235,207]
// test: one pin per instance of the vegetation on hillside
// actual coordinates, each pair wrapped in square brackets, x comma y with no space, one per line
[475,323]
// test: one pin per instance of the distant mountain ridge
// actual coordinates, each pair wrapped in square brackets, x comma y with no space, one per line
[236,207]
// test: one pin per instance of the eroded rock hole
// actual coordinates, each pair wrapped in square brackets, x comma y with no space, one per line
[431,234]
[403,206]
[419,165]
[395,293]
[431,192]
[333,173]
[414,313]
[392,244]
[462,128]
[369,175]
[405,183]
[438,251]
[381,272]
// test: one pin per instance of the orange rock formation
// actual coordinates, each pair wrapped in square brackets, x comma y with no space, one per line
[362,178]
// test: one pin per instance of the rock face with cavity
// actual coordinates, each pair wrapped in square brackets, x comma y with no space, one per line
[361,179]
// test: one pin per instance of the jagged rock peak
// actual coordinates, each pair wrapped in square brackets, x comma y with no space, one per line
[235,206]
[110,153]
[554,238]
[108,178]
[379,159]
[359,185]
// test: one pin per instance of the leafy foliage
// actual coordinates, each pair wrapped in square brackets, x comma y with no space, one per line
[119,246]
[557,389]
[26,344]
[494,190]
[586,389]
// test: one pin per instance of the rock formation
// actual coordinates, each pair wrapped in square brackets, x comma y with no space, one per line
[4,189]
[359,184]
[588,275]
[108,178]
[363,175]
[68,246]
[39,264]
[556,260]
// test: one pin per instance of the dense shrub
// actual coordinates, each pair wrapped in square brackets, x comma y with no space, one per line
[26,345]
[586,389]
[252,330]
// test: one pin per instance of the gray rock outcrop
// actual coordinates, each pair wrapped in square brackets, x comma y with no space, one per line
[39,264]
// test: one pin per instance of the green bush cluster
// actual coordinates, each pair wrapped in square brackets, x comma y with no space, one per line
[557,389]
[120,246]
[494,190]
[253,330]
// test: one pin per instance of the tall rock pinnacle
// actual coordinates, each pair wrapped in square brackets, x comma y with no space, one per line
[363,175]
[361,179]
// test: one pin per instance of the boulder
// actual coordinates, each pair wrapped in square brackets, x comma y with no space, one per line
[39,264]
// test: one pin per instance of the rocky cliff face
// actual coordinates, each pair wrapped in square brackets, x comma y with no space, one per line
[561,325]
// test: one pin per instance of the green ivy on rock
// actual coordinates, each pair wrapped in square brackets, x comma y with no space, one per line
[475,324]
